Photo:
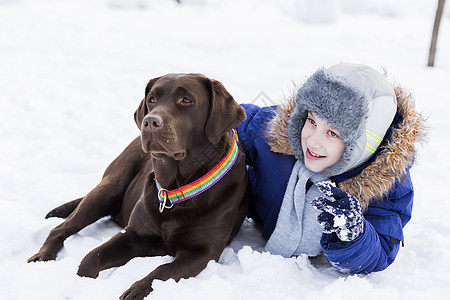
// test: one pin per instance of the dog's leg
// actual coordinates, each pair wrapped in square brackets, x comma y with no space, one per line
[186,264]
[118,251]
[105,199]
[97,204]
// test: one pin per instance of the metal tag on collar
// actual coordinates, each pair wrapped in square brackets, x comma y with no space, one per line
[162,194]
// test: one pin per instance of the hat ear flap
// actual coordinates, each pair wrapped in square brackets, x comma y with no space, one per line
[224,112]
[142,110]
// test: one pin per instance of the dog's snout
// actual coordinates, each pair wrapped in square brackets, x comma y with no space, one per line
[152,123]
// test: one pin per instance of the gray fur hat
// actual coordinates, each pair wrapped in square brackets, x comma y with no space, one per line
[356,100]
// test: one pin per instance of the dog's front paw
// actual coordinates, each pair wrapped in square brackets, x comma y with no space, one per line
[42,256]
[138,291]
[89,267]
[87,272]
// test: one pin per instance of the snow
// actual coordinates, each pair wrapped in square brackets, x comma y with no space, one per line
[73,71]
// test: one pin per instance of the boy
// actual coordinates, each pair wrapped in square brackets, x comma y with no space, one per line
[328,173]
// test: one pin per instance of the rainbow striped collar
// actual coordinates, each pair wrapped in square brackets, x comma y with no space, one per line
[200,185]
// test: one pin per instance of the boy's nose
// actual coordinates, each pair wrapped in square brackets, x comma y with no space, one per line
[314,141]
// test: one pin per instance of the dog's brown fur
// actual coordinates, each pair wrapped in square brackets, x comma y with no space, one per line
[185,122]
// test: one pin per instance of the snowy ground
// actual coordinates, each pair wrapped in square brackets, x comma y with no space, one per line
[72,72]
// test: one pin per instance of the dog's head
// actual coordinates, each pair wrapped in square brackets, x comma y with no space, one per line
[180,111]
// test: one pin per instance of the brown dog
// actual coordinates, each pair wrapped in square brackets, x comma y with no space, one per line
[186,142]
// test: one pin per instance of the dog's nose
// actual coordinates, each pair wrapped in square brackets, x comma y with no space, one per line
[152,123]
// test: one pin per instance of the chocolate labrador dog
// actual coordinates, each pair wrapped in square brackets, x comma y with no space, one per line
[180,189]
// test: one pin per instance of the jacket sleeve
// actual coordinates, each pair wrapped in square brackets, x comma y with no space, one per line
[379,244]
[250,129]
[268,172]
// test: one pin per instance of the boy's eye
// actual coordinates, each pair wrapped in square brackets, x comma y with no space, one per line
[333,134]
[311,121]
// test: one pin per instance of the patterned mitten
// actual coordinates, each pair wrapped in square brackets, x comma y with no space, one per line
[341,212]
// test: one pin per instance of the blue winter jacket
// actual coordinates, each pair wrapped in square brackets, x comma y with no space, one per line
[385,217]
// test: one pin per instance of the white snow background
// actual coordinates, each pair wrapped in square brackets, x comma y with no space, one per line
[72,72]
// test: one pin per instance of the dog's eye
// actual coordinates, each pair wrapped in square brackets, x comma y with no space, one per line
[186,100]
[152,100]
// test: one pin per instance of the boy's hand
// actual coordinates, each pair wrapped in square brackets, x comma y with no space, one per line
[341,212]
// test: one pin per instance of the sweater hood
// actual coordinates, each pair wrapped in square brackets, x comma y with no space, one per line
[394,157]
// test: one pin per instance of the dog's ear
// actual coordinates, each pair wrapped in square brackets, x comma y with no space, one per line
[142,110]
[224,112]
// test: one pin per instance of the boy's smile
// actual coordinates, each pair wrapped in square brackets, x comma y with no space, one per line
[321,144]
[312,155]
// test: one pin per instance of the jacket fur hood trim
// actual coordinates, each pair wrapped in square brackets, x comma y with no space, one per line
[391,164]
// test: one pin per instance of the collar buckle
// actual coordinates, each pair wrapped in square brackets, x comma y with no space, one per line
[162,195]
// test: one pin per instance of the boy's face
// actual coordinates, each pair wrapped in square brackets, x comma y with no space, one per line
[322,145]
